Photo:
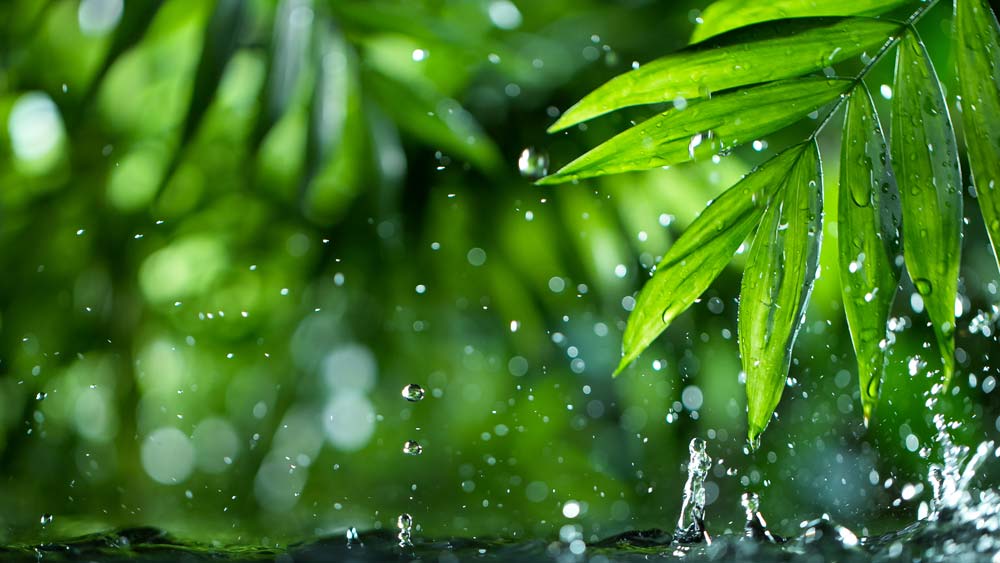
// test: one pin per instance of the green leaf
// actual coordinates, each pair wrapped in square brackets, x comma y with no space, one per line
[925,159]
[333,93]
[435,119]
[977,50]
[776,284]
[724,15]
[337,140]
[678,135]
[221,39]
[702,252]
[763,53]
[135,21]
[868,240]
[287,56]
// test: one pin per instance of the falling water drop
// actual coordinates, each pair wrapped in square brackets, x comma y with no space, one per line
[405,525]
[413,392]
[46,519]
[412,447]
[691,523]
[41,396]
[533,164]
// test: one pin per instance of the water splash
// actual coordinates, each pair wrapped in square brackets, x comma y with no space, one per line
[950,480]
[756,526]
[826,536]
[405,525]
[352,537]
[691,523]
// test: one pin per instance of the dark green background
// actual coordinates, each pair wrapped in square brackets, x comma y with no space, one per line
[166,203]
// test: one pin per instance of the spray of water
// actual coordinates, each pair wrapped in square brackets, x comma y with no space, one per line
[756,526]
[691,523]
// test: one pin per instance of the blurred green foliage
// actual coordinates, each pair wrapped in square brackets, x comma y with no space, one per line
[232,231]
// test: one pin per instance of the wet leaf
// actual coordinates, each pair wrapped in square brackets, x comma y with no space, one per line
[724,15]
[702,252]
[868,240]
[762,53]
[977,48]
[779,275]
[925,160]
[704,127]
[291,37]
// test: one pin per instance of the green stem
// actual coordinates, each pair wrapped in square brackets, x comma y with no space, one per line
[904,28]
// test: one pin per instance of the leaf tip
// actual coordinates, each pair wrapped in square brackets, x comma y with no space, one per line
[947,371]
[753,437]
[575,114]
[558,126]
[868,411]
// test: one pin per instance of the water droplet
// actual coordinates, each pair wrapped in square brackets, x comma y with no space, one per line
[41,396]
[46,519]
[571,509]
[533,164]
[405,525]
[699,139]
[413,392]
[412,447]
[923,286]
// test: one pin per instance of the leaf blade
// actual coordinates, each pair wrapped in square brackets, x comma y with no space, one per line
[778,279]
[724,15]
[667,138]
[135,21]
[767,52]
[701,253]
[925,158]
[221,40]
[868,240]
[287,56]
[437,120]
[977,48]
